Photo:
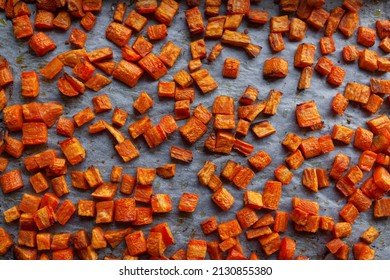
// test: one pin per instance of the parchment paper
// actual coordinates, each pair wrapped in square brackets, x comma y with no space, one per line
[100,147]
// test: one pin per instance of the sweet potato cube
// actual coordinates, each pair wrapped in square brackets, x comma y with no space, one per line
[307,114]
[30,84]
[143,103]
[339,104]
[370,235]
[155,244]
[140,127]
[297,29]
[382,208]
[164,229]
[169,54]
[188,202]
[27,238]
[41,44]
[243,177]
[210,225]
[349,23]
[198,49]
[263,129]
[246,217]
[360,201]
[237,7]
[14,147]
[145,176]
[44,217]
[65,212]
[11,181]
[118,34]
[273,101]
[204,175]
[333,21]
[86,208]
[368,60]
[193,130]
[136,243]
[214,28]
[34,133]
[229,229]
[342,134]
[326,144]
[223,198]
[11,214]
[181,154]
[155,136]
[196,249]
[43,241]
[166,11]
[98,241]
[231,68]
[93,177]
[324,65]
[22,27]
[60,186]
[127,184]
[119,117]
[318,18]
[363,139]
[292,141]
[125,210]
[260,160]
[235,38]
[275,67]
[351,53]
[367,160]
[136,21]
[345,186]
[279,24]
[13,117]
[44,20]
[97,82]
[120,10]
[381,178]
[349,213]
[161,203]
[309,179]
[322,178]
[166,171]
[310,147]
[270,243]
[305,78]
[366,36]
[194,20]
[153,66]
[49,199]
[106,191]
[114,237]
[227,244]
[127,150]
[128,73]
[283,174]
[374,103]
[166,89]
[204,80]
[281,221]
[362,251]
[157,32]
[327,45]
[271,195]
[295,160]
[257,16]
[104,212]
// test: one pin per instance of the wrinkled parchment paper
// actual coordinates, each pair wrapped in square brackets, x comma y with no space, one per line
[100,147]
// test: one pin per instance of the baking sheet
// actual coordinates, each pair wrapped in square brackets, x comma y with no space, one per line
[100,147]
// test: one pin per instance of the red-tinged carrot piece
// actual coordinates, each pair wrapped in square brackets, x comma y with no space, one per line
[66,88]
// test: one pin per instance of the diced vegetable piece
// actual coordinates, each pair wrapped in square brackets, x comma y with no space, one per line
[362,251]
[88,21]
[270,243]
[223,198]
[125,210]
[307,114]
[181,154]
[349,23]
[155,136]
[275,67]
[194,20]
[271,195]
[310,147]
[136,243]
[336,76]
[370,235]
[11,181]
[342,133]
[188,202]
[304,55]
[41,44]
[128,183]
[166,11]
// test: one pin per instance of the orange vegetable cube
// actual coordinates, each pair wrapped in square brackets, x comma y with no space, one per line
[366,36]
[349,213]
[297,29]
[304,55]
[169,54]
[86,208]
[287,249]
[44,20]
[128,73]
[11,214]
[295,160]
[214,28]
[310,147]
[229,229]
[125,210]
[349,23]
[273,101]
[181,154]
[270,243]
[194,20]
[246,217]
[143,193]
[357,92]
[60,186]
[305,78]
[136,21]
[275,67]
[127,184]
[136,243]
[271,195]
[374,103]
[30,84]
[324,65]
[279,24]
[261,17]
[41,44]
[362,251]
[326,144]
[382,208]
[65,212]
[183,79]
[198,49]
[73,150]
[322,178]
[166,11]
[11,181]
[188,202]
[369,235]
[155,136]
[143,103]
[153,66]
[260,160]
[210,225]
[161,203]
[104,211]
[223,198]
[307,114]
[83,116]
[292,141]
[339,104]
[342,134]
[309,179]
[336,76]
[29,203]
[368,60]
[88,21]
[196,249]
[231,68]
[318,18]
[381,178]
[22,27]
[367,160]
[281,221]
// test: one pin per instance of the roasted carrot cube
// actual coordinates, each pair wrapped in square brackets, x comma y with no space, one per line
[65,126]
[169,54]
[297,29]
[381,178]
[261,17]
[275,67]
[84,70]
[370,235]
[188,202]
[166,11]
[155,136]
[88,21]
[368,60]
[310,147]
[304,55]
[157,32]
[326,144]
[97,82]
[349,23]
[41,44]
[127,184]
[161,203]
[73,150]
[127,73]
[125,210]
[22,27]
